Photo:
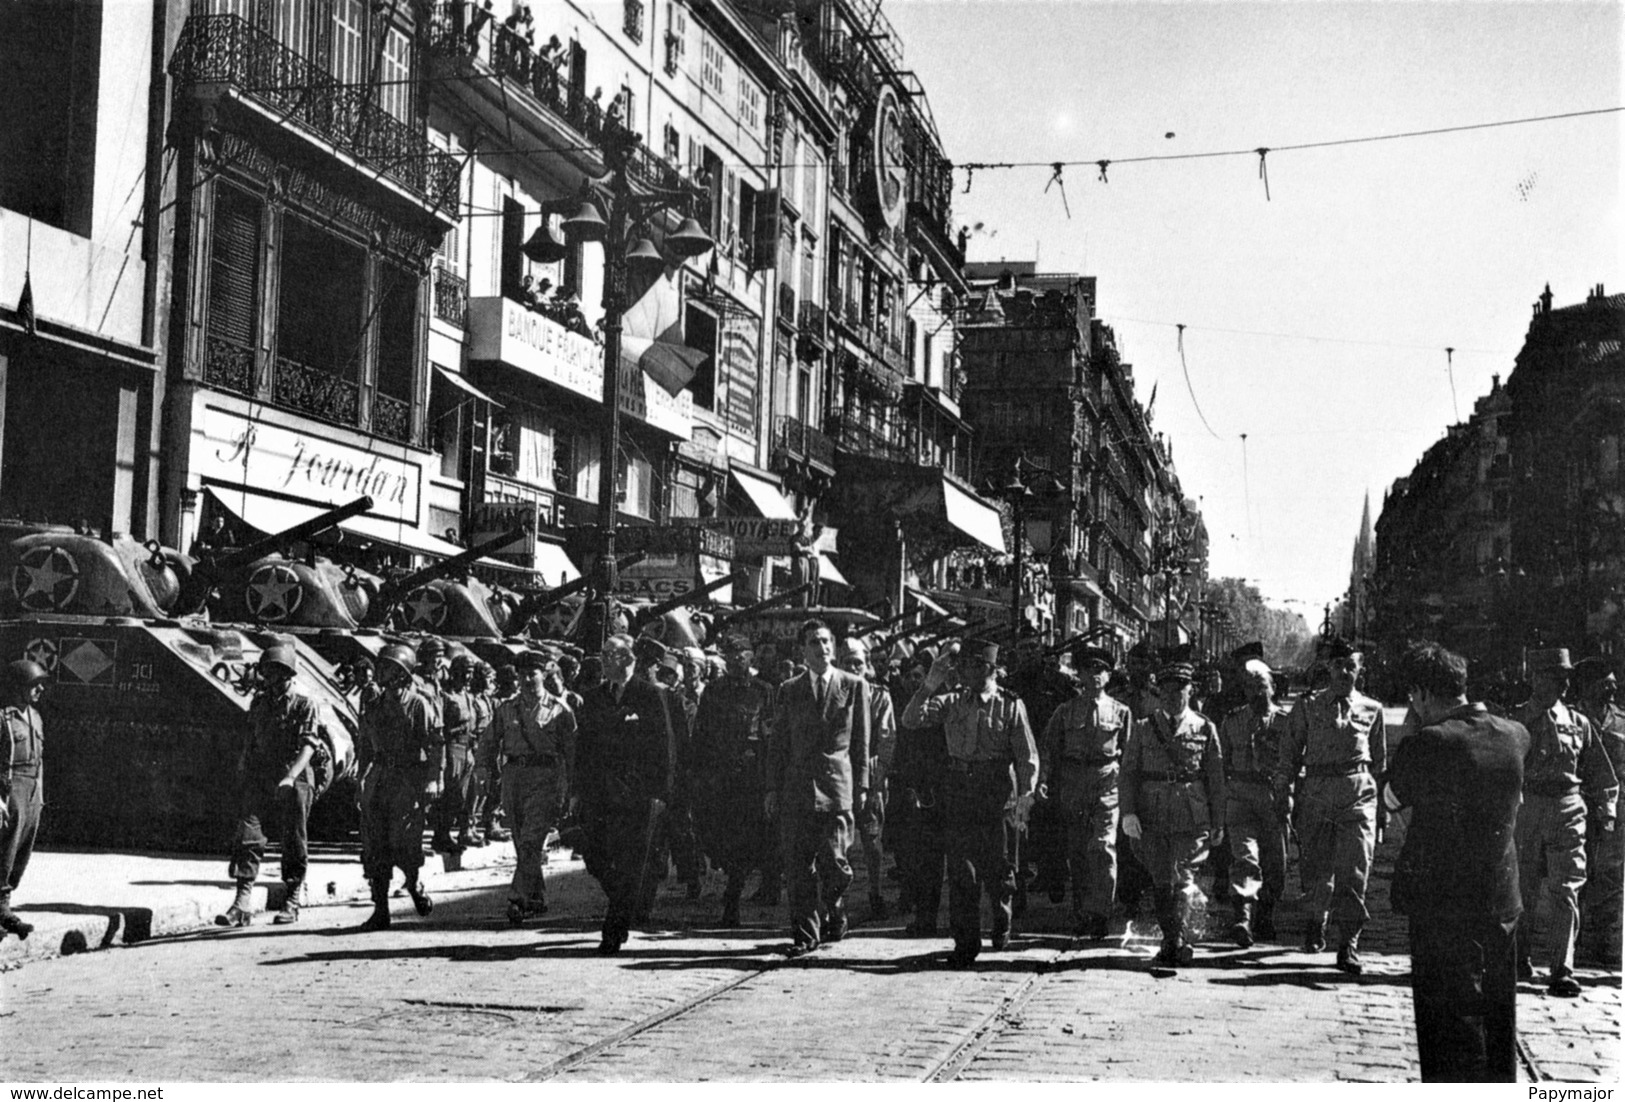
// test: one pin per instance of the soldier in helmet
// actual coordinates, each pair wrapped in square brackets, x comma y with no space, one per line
[479,692]
[504,687]
[22,793]
[274,781]
[458,714]
[533,736]
[407,770]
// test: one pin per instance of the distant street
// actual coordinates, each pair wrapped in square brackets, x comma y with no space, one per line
[463,996]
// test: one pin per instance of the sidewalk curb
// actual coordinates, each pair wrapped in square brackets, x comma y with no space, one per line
[60,932]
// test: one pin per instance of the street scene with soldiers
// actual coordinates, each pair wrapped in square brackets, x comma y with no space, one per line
[621,542]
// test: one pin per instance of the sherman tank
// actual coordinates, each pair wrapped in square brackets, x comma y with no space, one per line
[146,708]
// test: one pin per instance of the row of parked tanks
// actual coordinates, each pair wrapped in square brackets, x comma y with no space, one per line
[152,656]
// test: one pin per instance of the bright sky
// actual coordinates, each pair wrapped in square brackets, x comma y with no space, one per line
[1387,252]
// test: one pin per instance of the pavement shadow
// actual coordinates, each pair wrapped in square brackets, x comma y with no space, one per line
[575,949]
[133,923]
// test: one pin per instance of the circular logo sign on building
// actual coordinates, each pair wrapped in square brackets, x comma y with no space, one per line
[46,579]
[274,593]
[891,173]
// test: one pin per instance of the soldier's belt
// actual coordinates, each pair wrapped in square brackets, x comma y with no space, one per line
[1248,776]
[1093,763]
[540,761]
[1343,769]
[1552,789]
[25,769]
[1157,777]
[962,767]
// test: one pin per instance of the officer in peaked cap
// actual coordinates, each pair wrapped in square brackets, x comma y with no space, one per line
[988,789]
[1078,759]
[1173,801]
[1333,748]
[275,781]
[21,777]
[1601,898]
[1567,778]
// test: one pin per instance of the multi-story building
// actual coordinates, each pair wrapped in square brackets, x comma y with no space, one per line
[1049,394]
[82,180]
[308,206]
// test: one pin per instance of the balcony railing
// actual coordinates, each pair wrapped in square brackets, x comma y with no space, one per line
[392,417]
[450,297]
[812,319]
[318,393]
[227,49]
[851,434]
[802,443]
[229,366]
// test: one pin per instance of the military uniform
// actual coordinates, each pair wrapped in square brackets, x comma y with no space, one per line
[914,826]
[1257,840]
[1173,781]
[282,727]
[484,788]
[1133,879]
[22,794]
[1078,766]
[1603,896]
[534,739]
[1565,760]
[407,757]
[993,760]
[727,775]
[626,757]
[871,818]
[1331,751]
[1043,689]
[452,810]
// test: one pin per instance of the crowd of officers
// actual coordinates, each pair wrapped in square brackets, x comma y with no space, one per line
[998,774]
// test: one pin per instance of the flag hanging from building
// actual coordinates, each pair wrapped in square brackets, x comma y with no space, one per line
[25,305]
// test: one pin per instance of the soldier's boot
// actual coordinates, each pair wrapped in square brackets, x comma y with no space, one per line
[420,897]
[379,919]
[289,913]
[1314,935]
[730,903]
[499,834]
[10,923]
[241,911]
[1264,928]
[1241,930]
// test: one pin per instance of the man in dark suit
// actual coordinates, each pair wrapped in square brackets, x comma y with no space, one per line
[1461,774]
[629,732]
[818,771]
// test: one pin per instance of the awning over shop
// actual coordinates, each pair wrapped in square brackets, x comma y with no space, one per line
[465,386]
[926,602]
[975,518]
[829,572]
[553,565]
[1083,587]
[270,515]
[765,496]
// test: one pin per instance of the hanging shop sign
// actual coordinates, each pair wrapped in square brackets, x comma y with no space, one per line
[890,181]
[754,537]
[267,458]
[740,342]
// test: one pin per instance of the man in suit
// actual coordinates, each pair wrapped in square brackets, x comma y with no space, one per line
[629,732]
[818,771]
[1461,774]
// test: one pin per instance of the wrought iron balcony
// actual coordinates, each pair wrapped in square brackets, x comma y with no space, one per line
[318,393]
[229,366]
[851,434]
[812,319]
[392,417]
[450,297]
[228,50]
[799,442]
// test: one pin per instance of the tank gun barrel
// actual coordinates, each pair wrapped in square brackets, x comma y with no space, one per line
[1099,631]
[923,625]
[762,606]
[870,629]
[540,600]
[211,569]
[655,612]
[393,591]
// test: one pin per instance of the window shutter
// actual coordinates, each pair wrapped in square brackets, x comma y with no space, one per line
[234,267]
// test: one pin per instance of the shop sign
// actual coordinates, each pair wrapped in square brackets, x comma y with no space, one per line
[491,519]
[503,330]
[739,370]
[754,537]
[264,457]
[890,181]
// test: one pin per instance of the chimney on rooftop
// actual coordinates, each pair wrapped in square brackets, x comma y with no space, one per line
[1546,300]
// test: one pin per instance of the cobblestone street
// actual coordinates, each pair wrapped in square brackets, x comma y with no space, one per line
[463,996]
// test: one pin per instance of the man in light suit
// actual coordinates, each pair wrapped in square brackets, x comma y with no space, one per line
[818,772]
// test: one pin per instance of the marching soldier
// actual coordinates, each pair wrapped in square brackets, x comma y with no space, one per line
[405,776]
[988,789]
[1250,738]
[1332,749]
[1135,686]
[459,714]
[1172,799]
[1042,687]
[1077,774]
[1603,897]
[1566,773]
[274,779]
[22,781]
[533,736]
[479,692]
[871,817]
[504,686]
[626,758]
[727,771]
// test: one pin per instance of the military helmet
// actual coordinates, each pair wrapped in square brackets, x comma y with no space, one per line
[24,674]
[281,656]
[430,649]
[400,655]
[462,664]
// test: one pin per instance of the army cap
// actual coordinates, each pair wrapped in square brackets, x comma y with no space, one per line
[1255,649]
[1550,660]
[530,660]
[980,650]
[1092,658]
[1591,670]
[1178,664]
[1340,648]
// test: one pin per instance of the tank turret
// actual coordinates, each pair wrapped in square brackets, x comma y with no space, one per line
[47,570]
[284,592]
[228,570]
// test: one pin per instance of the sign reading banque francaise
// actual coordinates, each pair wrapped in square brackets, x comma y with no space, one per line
[266,457]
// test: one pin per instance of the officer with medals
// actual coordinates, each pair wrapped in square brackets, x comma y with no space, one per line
[1078,773]
[1172,798]
[987,789]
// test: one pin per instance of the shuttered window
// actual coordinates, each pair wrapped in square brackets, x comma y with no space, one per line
[234,267]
